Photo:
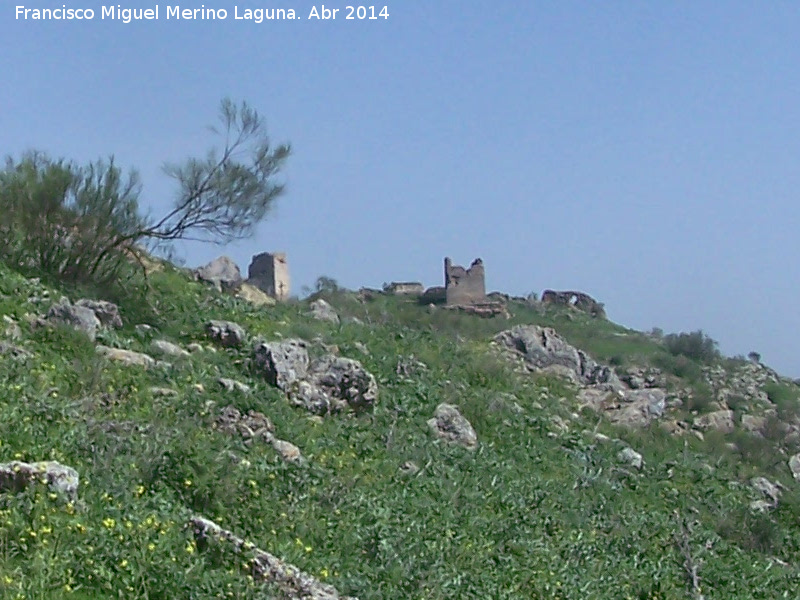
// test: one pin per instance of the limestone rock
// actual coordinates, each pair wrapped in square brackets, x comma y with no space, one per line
[222,273]
[166,348]
[226,333]
[450,425]
[163,392]
[106,312]
[721,420]
[631,408]
[753,424]
[14,351]
[543,349]
[345,383]
[409,468]
[288,451]
[631,457]
[15,476]
[253,295]
[326,385]
[11,329]
[79,317]
[254,426]
[794,466]
[291,581]
[282,363]
[231,385]
[771,491]
[323,311]
[126,357]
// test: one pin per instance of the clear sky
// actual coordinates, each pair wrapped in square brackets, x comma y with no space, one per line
[646,153]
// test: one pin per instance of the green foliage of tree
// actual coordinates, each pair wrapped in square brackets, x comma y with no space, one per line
[82,223]
[695,345]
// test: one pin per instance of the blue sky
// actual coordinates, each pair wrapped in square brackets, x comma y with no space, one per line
[646,153]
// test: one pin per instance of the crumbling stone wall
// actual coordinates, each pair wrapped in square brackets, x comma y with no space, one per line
[464,286]
[400,288]
[578,300]
[269,272]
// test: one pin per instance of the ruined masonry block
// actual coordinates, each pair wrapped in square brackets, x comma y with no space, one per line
[269,272]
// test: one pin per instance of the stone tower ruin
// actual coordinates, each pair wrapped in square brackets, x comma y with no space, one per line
[269,272]
[464,286]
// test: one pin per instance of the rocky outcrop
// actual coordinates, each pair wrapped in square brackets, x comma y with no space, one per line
[577,300]
[253,295]
[166,348]
[226,333]
[282,363]
[326,385]
[126,357]
[543,349]
[322,311]
[253,426]
[16,476]
[78,317]
[719,420]
[743,384]
[231,385]
[770,491]
[106,312]
[630,457]
[222,273]
[630,408]
[450,425]
[265,567]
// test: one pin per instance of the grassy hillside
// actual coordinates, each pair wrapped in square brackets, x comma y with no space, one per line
[544,508]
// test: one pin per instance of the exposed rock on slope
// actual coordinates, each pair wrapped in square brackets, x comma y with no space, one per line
[222,273]
[325,385]
[16,476]
[294,583]
[323,311]
[226,333]
[126,357]
[542,349]
[450,425]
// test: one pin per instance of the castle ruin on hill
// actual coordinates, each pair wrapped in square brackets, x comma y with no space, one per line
[269,272]
[464,287]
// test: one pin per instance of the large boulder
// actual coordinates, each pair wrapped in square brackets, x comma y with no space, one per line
[323,311]
[16,476]
[720,420]
[450,425]
[543,349]
[222,273]
[253,295]
[282,363]
[126,357]
[106,312]
[631,408]
[81,318]
[226,333]
[325,385]
[167,348]
[344,382]
[794,466]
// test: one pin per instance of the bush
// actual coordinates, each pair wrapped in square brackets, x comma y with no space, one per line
[785,399]
[59,218]
[82,223]
[696,345]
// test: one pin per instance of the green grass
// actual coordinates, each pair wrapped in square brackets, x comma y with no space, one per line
[535,512]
